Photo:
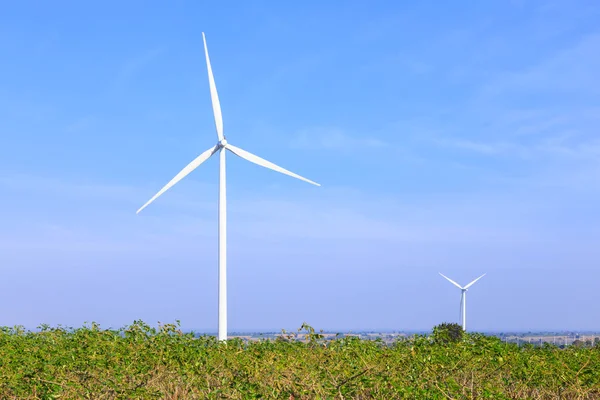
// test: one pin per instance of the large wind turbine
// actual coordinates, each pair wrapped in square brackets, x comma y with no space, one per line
[463,298]
[220,147]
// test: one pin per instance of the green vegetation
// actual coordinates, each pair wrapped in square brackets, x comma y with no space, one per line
[164,363]
[447,333]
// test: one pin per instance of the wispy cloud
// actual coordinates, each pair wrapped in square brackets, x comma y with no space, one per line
[406,64]
[538,122]
[335,216]
[81,124]
[541,125]
[333,139]
[135,64]
[550,148]
[582,150]
[572,70]
[129,197]
[54,185]
[487,148]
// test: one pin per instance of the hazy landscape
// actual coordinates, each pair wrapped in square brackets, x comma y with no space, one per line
[558,339]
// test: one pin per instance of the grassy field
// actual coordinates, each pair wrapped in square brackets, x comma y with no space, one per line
[164,363]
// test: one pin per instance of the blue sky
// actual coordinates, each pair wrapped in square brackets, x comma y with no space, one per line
[459,138]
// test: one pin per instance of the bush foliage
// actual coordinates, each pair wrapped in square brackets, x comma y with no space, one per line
[447,333]
[147,363]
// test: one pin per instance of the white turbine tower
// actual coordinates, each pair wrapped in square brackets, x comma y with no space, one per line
[463,298]
[220,147]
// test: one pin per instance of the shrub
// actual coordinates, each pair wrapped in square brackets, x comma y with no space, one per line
[447,333]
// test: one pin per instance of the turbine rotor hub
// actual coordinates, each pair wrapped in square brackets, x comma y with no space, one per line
[223,142]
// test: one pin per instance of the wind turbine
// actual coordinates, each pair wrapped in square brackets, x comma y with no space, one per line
[463,298]
[220,147]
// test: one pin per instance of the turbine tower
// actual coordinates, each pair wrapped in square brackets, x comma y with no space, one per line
[220,147]
[463,298]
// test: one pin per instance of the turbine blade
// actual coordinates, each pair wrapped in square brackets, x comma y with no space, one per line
[451,281]
[182,174]
[466,287]
[264,163]
[213,94]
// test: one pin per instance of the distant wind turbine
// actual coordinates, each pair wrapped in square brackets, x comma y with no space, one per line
[463,298]
[221,145]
